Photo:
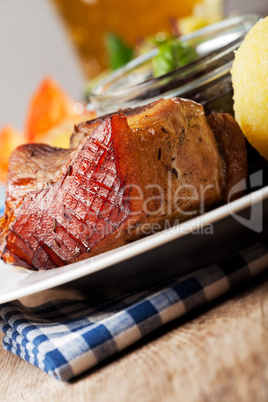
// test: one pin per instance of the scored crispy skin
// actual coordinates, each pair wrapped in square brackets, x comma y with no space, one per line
[63,220]
[159,164]
[187,120]
[233,150]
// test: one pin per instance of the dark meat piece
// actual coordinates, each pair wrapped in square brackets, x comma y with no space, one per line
[233,150]
[127,175]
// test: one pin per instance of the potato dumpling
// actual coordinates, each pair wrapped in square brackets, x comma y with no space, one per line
[250,83]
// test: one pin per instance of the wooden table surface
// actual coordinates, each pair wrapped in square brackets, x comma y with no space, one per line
[217,354]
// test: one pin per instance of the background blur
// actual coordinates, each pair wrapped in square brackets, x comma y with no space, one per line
[35,41]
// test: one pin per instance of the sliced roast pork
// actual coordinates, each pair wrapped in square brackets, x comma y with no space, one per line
[125,175]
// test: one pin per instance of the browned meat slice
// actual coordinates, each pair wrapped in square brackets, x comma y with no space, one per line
[233,150]
[127,174]
[31,167]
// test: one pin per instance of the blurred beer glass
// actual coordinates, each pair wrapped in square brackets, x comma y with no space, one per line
[88,22]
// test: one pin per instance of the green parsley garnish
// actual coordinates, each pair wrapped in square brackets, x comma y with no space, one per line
[119,52]
[172,54]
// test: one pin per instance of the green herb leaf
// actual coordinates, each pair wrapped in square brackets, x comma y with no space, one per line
[172,54]
[119,52]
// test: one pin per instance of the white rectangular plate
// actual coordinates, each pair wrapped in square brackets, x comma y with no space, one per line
[17,282]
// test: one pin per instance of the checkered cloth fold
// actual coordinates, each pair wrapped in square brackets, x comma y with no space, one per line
[65,338]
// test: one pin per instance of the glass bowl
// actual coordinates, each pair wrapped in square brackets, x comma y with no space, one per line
[206,80]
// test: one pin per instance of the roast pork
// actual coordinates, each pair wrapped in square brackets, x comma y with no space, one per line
[125,175]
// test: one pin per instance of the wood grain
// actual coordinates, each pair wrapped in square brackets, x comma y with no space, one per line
[218,355]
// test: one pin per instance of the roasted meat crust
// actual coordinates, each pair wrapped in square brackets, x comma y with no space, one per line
[84,129]
[125,174]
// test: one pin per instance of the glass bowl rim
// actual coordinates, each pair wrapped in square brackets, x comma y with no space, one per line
[99,93]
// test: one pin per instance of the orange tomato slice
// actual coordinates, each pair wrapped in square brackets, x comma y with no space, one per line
[48,107]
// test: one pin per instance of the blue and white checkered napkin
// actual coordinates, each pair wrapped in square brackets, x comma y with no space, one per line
[65,338]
